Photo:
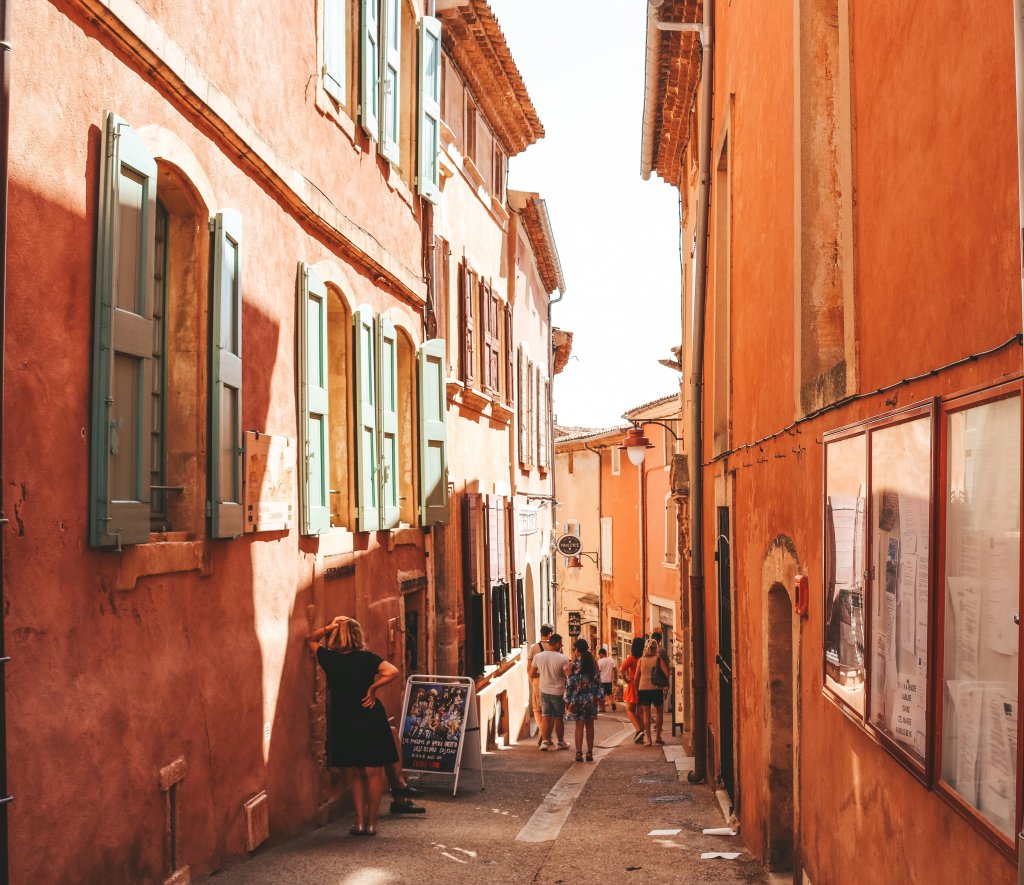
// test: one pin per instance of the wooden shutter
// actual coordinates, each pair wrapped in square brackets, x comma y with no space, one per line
[390,104]
[466,323]
[471,541]
[524,401]
[369,81]
[428,178]
[225,508]
[334,49]
[510,359]
[542,421]
[122,382]
[367,491]
[433,435]
[314,472]
[484,302]
[387,399]
[492,353]
[531,413]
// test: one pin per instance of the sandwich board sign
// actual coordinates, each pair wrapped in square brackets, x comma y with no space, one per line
[440,728]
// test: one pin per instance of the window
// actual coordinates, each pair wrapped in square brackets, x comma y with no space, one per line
[340,460]
[508,347]
[142,465]
[428,177]
[606,546]
[527,410]
[616,460]
[500,165]
[543,448]
[490,334]
[980,566]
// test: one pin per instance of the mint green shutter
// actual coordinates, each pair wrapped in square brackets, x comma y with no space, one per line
[433,441]
[391,81]
[369,66]
[428,179]
[367,492]
[334,49]
[390,463]
[119,494]
[225,507]
[314,474]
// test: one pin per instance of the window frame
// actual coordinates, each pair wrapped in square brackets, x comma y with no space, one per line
[950,405]
[922,772]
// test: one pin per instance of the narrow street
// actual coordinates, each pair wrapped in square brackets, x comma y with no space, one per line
[626,793]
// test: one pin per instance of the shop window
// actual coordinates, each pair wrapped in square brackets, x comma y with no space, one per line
[980,567]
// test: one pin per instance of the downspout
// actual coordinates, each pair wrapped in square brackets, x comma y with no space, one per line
[549,417]
[6,15]
[642,476]
[699,773]
[1018,57]
[600,573]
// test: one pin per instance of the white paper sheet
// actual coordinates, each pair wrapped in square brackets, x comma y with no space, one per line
[921,609]
[906,593]
[967,615]
[997,774]
[1000,568]
[969,700]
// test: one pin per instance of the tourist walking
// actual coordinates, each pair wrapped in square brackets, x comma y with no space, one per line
[536,649]
[649,692]
[358,736]
[606,664]
[549,667]
[582,692]
[628,672]
[662,679]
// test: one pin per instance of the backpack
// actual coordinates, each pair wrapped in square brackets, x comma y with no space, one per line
[658,676]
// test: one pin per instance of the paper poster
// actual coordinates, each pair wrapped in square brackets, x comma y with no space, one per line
[969,699]
[997,775]
[270,490]
[966,601]
[844,515]
[1000,554]
[907,600]
[921,609]
[908,718]
[432,726]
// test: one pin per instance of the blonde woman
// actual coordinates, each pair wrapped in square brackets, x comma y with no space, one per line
[358,737]
[649,694]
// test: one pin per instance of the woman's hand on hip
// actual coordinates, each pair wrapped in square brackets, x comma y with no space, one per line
[370,699]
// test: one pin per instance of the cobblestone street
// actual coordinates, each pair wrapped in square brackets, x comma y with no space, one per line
[479,836]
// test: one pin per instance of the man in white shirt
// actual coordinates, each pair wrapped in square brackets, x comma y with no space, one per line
[549,667]
[535,650]
[606,667]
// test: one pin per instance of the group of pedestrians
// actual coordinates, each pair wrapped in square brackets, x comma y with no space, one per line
[564,689]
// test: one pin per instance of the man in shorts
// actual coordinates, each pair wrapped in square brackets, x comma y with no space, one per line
[535,650]
[606,667]
[549,668]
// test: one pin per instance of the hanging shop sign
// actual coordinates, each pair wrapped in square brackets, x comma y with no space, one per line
[569,545]
[575,623]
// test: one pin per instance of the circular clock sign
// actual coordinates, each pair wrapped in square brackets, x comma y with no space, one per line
[569,545]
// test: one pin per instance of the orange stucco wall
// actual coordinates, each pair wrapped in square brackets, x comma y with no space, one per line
[936,253]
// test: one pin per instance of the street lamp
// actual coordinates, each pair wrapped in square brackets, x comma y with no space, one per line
[574,565]
[636,444]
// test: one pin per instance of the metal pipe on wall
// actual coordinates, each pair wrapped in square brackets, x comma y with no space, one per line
[699,773]
[6,15]
[1018,57]
[600,572]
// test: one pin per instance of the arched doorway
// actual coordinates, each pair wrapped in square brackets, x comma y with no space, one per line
[782,675]
[780,718]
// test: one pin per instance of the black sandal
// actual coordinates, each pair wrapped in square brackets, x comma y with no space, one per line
[579,756]
[369,832]
[356,830]
[590,757]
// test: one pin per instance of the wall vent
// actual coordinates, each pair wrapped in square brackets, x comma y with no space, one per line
[257,821]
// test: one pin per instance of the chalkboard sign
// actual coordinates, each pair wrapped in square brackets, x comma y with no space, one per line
[438,714]
[575,623]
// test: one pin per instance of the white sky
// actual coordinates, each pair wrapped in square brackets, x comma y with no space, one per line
[617,235]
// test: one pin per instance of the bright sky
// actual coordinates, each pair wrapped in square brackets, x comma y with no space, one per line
[617,235]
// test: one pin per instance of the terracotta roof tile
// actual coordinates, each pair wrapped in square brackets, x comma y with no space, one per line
[476,45]
[534,212]
[678,76]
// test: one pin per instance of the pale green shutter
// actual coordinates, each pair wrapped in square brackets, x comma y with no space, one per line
[119,493]
[334,49]
[367,492]
[390,81]
[314,474]
[390,462]
[225,507]
[433,434]
[369,66]
[428,179]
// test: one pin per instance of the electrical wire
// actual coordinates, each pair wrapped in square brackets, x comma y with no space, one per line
[857,397]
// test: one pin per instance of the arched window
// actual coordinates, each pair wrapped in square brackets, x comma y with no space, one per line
[407,422]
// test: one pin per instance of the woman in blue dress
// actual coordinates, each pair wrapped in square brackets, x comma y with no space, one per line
[582,693]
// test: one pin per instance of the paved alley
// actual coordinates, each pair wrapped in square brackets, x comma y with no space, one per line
[504,833]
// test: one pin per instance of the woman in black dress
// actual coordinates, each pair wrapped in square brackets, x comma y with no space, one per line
[358,737]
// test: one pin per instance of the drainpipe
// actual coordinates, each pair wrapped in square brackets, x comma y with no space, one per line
[700,715]
[549,418]
[600,574]
[1018,57]
[642,477]
[6,15]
